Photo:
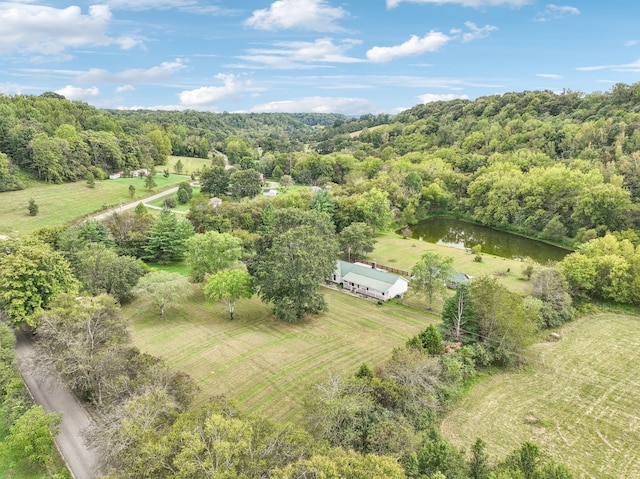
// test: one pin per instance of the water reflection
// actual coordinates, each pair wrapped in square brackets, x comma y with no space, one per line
[460,234]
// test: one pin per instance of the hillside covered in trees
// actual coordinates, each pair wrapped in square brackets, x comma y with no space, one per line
[564,167]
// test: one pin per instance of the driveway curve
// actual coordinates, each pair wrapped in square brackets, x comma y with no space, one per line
[81,461]
[133,204]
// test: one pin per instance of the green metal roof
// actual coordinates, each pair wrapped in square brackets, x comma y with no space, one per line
[367,277]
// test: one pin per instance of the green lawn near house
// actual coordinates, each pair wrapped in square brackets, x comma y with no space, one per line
[265,365]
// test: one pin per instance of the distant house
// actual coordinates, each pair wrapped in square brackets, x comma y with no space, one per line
[315,189]
[115,176]
[269,192]
[458,278]
[368,281]
[215,202]
[140,172]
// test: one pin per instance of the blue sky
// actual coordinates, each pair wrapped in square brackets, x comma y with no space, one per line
[340,56]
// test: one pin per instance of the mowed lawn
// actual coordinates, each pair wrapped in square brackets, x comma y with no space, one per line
[580,400]
[266,365]
[396,252]
[64,203]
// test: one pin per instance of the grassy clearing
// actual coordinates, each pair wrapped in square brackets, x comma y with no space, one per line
[397,252]
[266,365]
[189,165]
[60,204]
[579,400]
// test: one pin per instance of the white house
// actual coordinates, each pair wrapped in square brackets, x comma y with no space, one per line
[269,192]
[368,281]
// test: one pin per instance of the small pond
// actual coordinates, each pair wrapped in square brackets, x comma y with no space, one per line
[461,234]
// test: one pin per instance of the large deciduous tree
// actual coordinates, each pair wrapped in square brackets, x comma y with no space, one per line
[375,208]
[229,286]
[164,288]
[214,181]
[102,270]
[245,183]
[293,260]
[210,252]
[430,275]
[81,338]
[31,438]
[356,240]
[31,275]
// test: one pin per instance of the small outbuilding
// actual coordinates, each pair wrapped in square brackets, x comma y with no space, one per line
[368,281]
[269,192]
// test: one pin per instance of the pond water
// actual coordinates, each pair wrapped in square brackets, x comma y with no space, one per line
[461,234]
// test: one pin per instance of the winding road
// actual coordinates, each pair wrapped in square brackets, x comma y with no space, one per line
[81,461]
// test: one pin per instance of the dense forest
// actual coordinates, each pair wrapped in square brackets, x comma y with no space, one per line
[563,167]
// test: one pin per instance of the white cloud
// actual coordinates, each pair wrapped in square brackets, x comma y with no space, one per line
[633,67]
[465,3]
[133,75]
[554,12]
[71,92]
[41,29]
[630,43]
[122,88]
[291,55]
[317,104]
[414,46]
[314,15]
[431,97]
[232,86]
[551,76]
[477,32]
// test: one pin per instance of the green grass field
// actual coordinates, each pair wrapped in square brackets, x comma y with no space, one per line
[579,400]
[394,251]
[61,204]
[266,365]
[189,165]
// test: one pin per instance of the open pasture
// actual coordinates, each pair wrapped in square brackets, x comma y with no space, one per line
[268,366]
[579,400]
[64,203]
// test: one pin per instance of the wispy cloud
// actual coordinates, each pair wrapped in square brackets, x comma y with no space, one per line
[633,67]
[317,104]
[232,86]
[26,28]
[465,3]
[133,75]
[71,92]
[295,55]
[123,88]
[313,15]
[554,12]
[630,43]
[431,42]
[551,76]
[431,97]
[189,6]
[474,32]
